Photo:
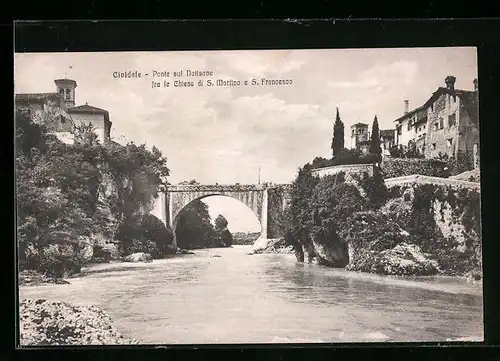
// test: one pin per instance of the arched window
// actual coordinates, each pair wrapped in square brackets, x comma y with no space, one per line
[68,94]
[61,91]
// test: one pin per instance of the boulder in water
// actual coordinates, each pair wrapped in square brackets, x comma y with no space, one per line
[138,257]
[260,244]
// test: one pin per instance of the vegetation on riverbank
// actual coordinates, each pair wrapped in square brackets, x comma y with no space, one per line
[420,230]
[85,201]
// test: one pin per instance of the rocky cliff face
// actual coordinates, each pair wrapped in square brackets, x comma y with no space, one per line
[424,229]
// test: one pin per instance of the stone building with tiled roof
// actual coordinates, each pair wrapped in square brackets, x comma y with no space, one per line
[58,111]
[448,122]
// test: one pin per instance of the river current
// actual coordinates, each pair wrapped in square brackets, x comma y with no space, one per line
[228,296]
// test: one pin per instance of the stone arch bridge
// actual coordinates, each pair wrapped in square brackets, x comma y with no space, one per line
[267,202]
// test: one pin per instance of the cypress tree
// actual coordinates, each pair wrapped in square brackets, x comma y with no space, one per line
[375,148]
[338,135]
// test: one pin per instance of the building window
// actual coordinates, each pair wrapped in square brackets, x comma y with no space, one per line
[68,94]
[436,125]
[63,120]
[61,91]
[441,123]
[449,142]
[433,145]
[452,119]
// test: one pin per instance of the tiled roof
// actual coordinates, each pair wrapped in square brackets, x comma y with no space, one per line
[35,96]
[363,124]
[459,92]
[87,109]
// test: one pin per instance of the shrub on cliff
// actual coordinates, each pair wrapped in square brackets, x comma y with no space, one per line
[353,156]
[462,162]
[416,210]
[331,205]
[376,192]
[399,167]
[379,245]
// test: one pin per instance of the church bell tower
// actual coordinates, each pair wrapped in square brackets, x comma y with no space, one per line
[66,88]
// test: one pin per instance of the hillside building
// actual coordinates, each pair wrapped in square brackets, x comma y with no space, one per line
[448,122]
[58,112]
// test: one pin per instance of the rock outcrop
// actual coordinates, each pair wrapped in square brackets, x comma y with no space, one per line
[405,259]
[332,254]
[138,257]
[278,246]
[49,323]
[260,245]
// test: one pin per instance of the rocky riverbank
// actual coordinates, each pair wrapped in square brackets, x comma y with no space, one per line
[276,246]
[43,323]
[33,278]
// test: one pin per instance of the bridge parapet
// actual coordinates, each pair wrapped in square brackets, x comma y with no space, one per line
[222,187]
[421,179]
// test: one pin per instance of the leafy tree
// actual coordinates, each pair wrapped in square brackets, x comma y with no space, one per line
[85,134]
[29,135]
[60,199]
[224,237]
[320,162]
[300,221]
[338,135]
[375,148]
[220,222]
[352,156]
[194,228]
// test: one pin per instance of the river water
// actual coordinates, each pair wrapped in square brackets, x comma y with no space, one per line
[228,296]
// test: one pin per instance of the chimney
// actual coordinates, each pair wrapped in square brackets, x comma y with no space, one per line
[407,106]
[450,82]
[475,83]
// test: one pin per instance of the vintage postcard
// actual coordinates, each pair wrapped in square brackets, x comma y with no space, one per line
[250,197]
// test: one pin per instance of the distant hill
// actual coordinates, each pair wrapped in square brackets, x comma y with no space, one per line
[245,238]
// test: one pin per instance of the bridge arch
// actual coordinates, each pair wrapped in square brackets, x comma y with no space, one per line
[266,201]
[251,210]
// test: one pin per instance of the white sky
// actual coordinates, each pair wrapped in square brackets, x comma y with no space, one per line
[225,134]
